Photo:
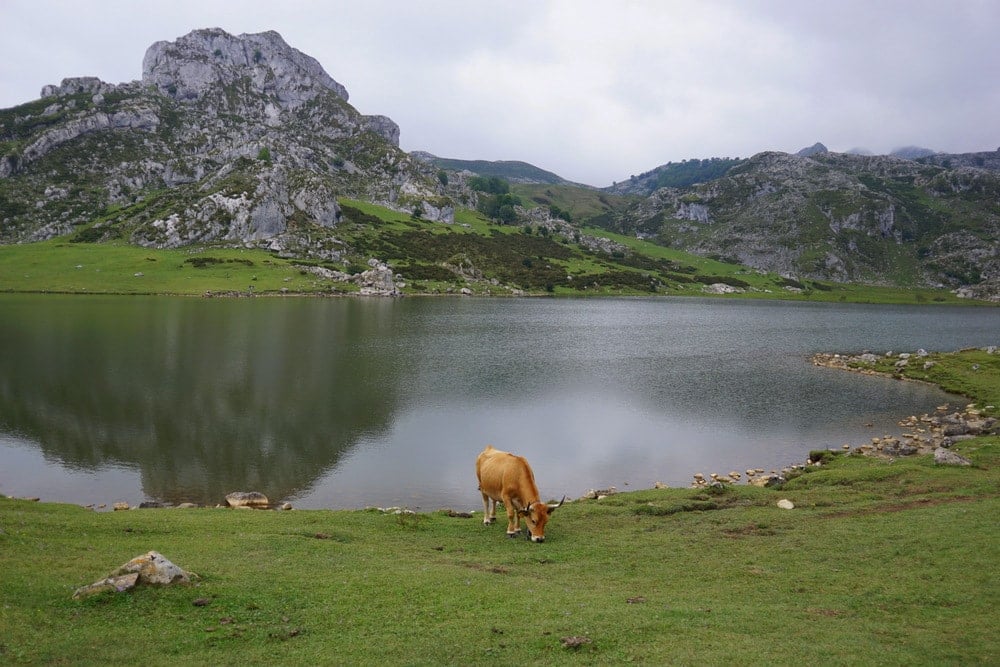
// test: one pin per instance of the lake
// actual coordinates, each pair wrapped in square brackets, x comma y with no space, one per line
[351,402]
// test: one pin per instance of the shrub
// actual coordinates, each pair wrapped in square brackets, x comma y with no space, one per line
[89,235]
[823,455]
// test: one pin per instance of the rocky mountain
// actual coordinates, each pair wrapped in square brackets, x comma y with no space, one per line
[983,160]
[846,218]
[226,138]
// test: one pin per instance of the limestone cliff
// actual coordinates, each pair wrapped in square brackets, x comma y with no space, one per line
[235,138]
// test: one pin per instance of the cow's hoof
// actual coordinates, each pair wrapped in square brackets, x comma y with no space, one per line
[512,535]
[489,521]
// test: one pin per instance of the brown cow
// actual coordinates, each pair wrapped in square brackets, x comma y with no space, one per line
[508,478]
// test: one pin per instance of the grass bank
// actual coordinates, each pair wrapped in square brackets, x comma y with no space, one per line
[880,562]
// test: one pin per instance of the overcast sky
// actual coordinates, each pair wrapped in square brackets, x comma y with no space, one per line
[592,90]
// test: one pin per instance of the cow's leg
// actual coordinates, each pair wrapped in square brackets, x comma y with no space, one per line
[513,520]
[489,510]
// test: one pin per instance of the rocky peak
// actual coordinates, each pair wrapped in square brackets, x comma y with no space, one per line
[76,85]
[206,61]
[816,149]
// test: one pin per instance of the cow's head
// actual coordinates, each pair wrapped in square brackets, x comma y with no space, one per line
[536,515]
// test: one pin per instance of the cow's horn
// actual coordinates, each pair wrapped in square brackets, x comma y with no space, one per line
[553,508]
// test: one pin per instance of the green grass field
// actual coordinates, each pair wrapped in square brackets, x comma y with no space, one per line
[880,562]
[110,268]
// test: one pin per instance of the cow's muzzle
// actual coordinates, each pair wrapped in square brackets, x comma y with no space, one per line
[533,538]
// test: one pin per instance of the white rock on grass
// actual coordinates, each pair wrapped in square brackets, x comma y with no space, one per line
[151,569]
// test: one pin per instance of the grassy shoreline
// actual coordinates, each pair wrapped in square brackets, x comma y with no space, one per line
[58,266]
[888,562]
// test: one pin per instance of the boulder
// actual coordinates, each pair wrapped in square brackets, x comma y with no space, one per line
[247,499]
[766,481]
[378,280]
[786,504]
[896,448]
[150,569]
[944,456]
[153,569]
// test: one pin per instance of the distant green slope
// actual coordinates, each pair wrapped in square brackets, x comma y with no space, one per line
[512,170]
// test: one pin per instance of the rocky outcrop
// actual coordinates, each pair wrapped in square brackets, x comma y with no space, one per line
[144,119]
[205,62]
[815,149]
[378,280]
[237,139]
[76,86]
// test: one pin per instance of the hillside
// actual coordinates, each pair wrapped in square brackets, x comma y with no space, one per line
[839,217]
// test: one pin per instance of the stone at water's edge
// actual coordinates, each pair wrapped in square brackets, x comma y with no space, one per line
[768,480]
[247,499]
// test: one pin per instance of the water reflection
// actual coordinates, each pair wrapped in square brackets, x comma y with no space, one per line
[202,398]
[345,403]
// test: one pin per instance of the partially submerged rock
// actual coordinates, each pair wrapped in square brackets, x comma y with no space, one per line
[247,499]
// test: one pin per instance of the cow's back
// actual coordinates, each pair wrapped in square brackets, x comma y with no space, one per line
[498,470]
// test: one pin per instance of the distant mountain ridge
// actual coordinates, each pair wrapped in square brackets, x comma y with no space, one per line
[513,171]
[840,217]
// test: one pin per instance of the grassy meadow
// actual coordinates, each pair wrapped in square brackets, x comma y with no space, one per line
[112,268]
[880,562]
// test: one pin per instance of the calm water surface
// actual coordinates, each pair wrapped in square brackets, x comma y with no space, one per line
[346,403]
